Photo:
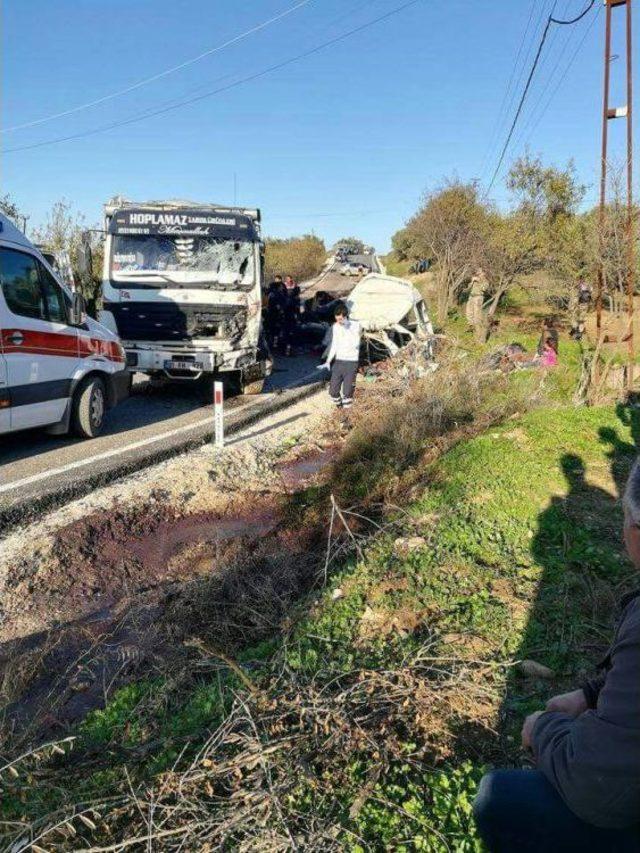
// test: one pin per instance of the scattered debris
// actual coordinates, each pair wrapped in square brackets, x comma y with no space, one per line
[404,545]
[533,669]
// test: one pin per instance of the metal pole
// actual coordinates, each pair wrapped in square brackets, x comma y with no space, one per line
[603,173]
[630,223]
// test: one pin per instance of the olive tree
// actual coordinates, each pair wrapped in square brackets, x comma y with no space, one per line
[449,229]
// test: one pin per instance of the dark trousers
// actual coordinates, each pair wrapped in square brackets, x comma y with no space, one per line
[521,811]
[343,382]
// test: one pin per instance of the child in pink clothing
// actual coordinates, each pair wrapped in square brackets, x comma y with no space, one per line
[549,357]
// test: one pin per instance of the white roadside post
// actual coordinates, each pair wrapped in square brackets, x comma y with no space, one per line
[218,415]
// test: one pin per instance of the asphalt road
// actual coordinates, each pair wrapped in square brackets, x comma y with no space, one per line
[38,470]
[338,285]
[152,424]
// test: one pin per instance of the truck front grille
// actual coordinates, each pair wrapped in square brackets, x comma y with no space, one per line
[166,321]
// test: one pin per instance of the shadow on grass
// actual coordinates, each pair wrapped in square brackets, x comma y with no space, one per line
[578,545]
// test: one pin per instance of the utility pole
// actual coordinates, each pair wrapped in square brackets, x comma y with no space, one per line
[609,113]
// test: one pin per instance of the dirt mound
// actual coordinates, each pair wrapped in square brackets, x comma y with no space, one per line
[110,555]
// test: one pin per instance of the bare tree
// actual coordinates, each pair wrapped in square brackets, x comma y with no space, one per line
[10,209]
[62,233]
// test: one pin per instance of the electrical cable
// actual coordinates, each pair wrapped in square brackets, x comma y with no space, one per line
[550,20]
[507,92]
[160,74]
[249,78]
[577,18]
[545,10]
[532,129]
[561,55]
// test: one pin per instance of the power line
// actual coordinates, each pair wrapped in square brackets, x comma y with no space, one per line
[507,91]
[249,78]
[550,20]
[532,127]
[545,10]
[160,74]
[545,86]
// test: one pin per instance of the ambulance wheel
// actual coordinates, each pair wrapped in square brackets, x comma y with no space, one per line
[89,407]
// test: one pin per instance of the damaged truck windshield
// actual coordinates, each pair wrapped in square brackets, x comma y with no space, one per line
[211,249]
[217,261]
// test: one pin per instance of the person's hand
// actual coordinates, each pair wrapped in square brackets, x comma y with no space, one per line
[324,366]
[527,729]
[573,703]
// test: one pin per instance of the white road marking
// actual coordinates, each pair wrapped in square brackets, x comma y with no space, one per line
[116,451]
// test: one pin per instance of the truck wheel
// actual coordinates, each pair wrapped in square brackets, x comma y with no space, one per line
[89,407]
[238,385]
[254,387]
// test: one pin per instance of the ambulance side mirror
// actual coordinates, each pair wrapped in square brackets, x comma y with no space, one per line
[78,309]
[85,259]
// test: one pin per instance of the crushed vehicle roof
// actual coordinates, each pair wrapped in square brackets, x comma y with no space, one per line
[379,301]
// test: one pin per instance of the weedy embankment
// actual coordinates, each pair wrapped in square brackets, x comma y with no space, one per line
[347,694]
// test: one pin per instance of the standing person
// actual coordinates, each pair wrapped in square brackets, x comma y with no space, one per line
[292,312]
[344,352]
[584,793]
[584,292]
[275,312]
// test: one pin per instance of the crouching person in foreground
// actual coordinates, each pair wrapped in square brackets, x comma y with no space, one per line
[343,357]
[584,794]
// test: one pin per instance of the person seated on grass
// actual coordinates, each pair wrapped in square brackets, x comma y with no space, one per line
[549,355]
[584,793]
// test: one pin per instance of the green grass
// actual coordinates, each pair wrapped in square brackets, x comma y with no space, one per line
[523,566]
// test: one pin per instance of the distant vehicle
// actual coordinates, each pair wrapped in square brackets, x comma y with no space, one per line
[182,287]
[58,368]
[351,269]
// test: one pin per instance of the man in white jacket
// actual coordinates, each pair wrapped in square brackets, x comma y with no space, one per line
[343,357]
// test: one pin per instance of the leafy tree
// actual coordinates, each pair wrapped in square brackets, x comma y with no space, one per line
[548,199]
[449,229]
[509,252]
[545,193]
[300,257]
[357,246]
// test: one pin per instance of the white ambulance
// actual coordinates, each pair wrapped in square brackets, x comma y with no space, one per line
[59,369]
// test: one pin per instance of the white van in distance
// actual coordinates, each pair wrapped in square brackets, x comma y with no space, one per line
[58,368]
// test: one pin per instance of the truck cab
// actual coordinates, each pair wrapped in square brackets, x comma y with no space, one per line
[59,369]
[182,288]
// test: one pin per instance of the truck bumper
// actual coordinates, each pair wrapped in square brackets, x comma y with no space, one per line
[187,364]
[157,361]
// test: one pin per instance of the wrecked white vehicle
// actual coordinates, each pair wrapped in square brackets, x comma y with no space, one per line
[182,288]
[392,314]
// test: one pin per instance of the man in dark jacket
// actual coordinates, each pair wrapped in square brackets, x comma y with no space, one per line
[292,301]
[584,794]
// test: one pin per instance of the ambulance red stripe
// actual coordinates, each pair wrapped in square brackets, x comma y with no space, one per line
[59,344]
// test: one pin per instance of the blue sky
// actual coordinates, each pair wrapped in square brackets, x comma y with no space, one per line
[344,141]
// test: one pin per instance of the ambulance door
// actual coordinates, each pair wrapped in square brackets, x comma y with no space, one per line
[39,346]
